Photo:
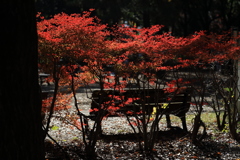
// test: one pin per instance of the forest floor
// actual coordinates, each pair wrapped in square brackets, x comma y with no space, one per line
[119,142]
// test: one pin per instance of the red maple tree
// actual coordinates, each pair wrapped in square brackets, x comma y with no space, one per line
[69,43]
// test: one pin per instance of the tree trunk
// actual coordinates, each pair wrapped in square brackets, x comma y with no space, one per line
[20,103]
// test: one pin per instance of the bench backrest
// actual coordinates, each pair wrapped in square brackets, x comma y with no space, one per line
[177,103]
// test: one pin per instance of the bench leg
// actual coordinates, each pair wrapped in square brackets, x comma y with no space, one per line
[184,124]
[168,121]
[183,119]
[87,131]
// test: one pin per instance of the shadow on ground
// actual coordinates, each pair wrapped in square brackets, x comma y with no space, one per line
[168,135]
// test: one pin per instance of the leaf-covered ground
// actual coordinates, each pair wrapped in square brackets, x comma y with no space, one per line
[119,142]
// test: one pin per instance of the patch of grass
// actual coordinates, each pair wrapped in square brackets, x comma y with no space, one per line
[209,118]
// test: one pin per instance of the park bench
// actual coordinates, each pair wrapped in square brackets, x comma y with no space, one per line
[46,94]
[177,103]
[42,78]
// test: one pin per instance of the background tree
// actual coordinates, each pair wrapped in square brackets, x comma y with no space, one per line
[20,104]
[182,17]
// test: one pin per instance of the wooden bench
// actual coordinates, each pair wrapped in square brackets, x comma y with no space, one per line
[177,103]
[46,94]
[42,78]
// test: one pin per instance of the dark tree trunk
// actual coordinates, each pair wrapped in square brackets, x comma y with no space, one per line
[20,104]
